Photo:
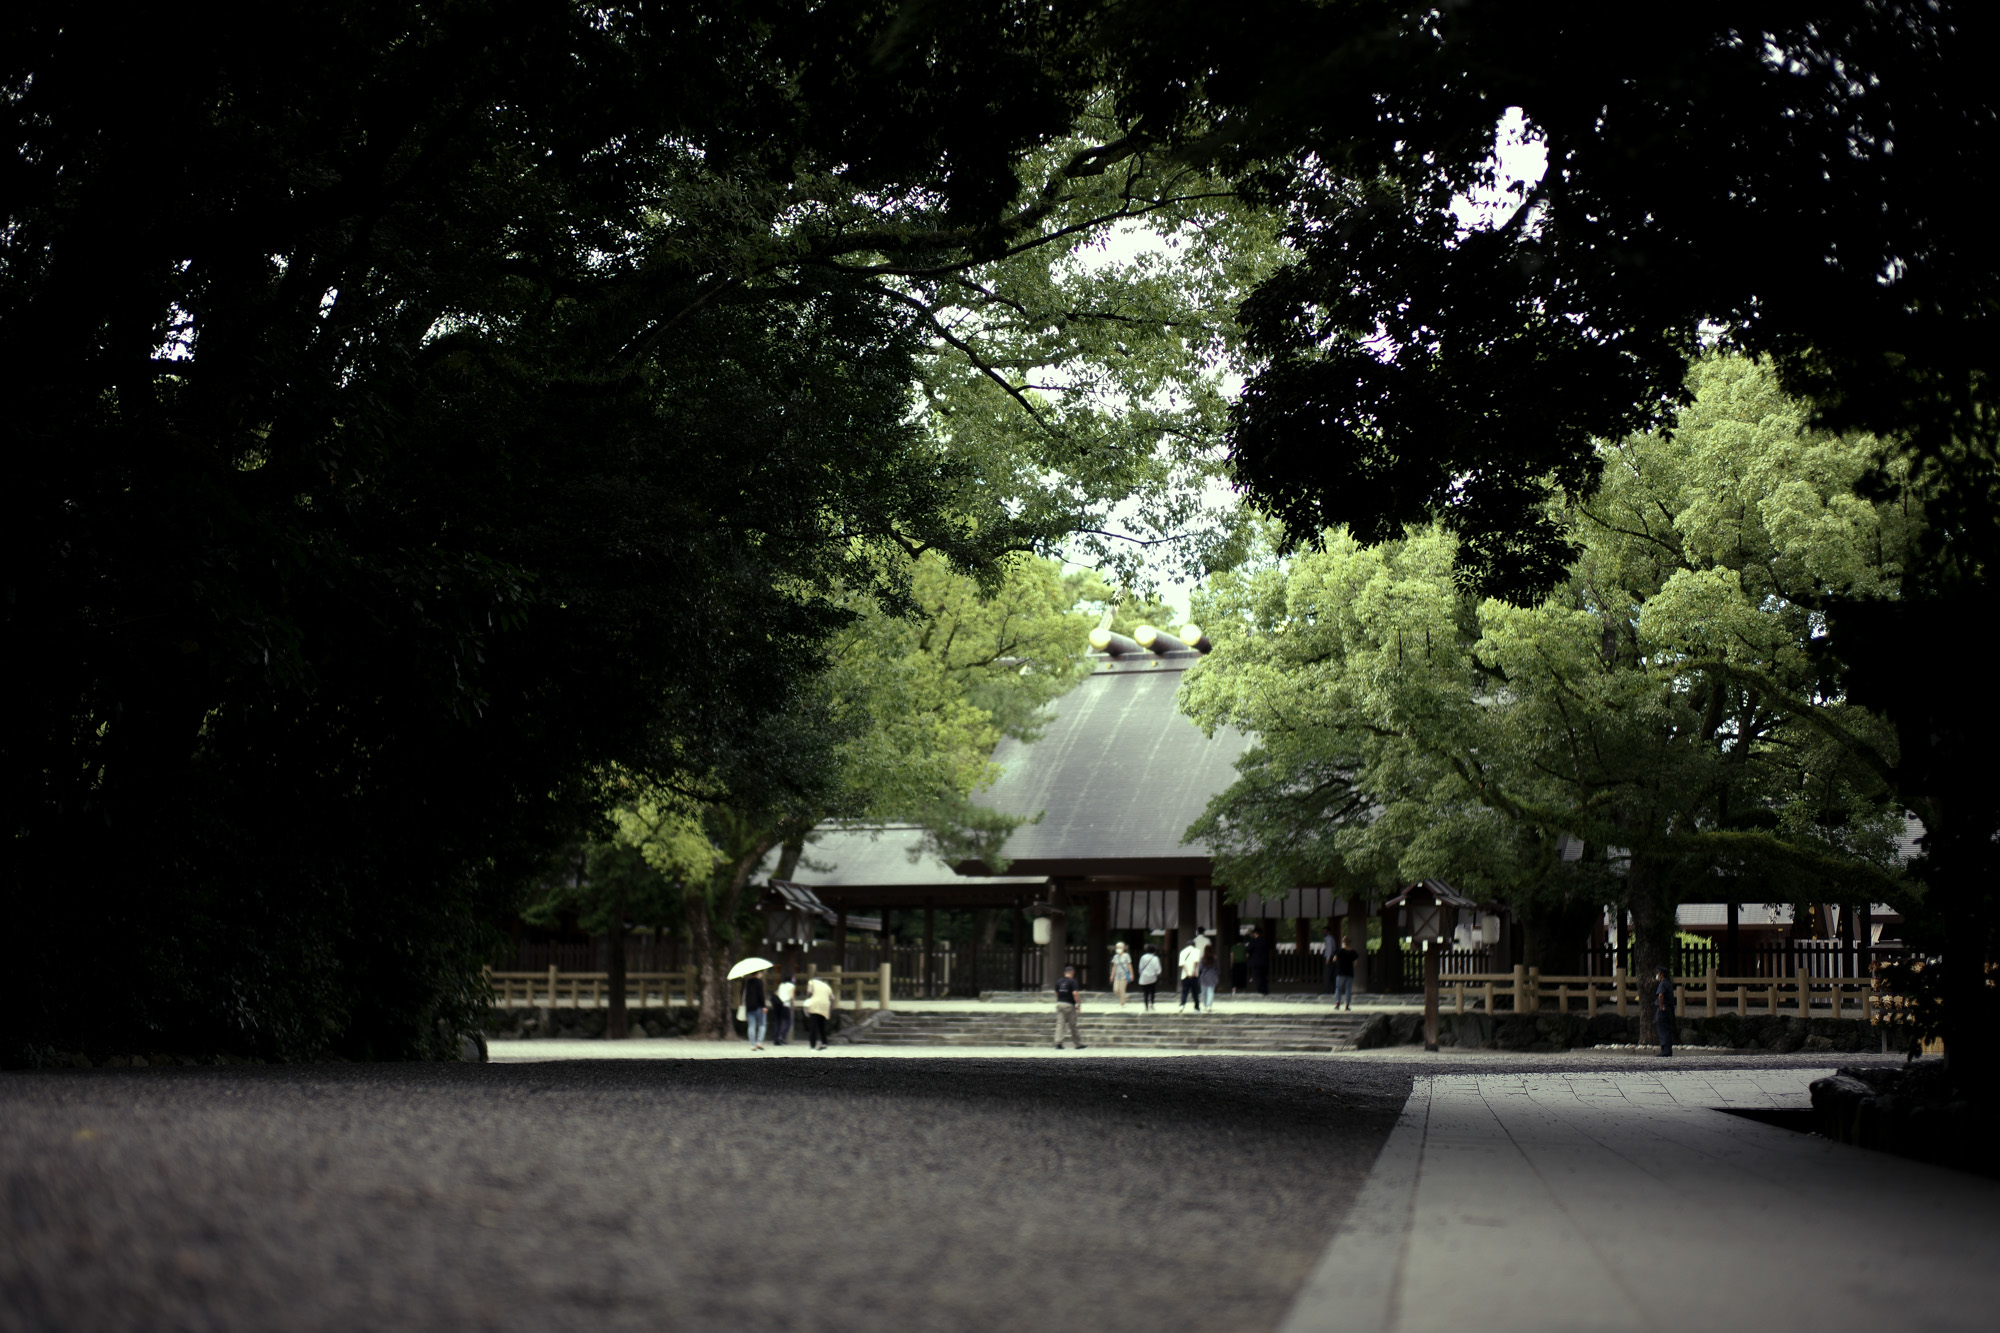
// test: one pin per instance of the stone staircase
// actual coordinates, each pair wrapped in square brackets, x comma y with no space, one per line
[1110,1027]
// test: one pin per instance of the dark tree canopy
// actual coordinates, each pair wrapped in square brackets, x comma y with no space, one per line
[1804,181]
[411,412]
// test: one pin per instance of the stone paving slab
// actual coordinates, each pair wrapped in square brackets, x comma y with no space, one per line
[1628,1200]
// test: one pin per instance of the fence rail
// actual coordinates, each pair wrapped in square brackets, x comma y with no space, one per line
[592,990]
[1525,989]
[1822,959]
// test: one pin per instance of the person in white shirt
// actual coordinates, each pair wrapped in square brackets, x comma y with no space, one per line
[781,1011]
[1149,975]
[1190,961]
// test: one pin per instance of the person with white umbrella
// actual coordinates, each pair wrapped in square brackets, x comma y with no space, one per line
[755,1006]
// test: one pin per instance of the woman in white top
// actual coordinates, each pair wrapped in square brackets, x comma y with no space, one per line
[1149,974]
[819,1010]
[1121,970]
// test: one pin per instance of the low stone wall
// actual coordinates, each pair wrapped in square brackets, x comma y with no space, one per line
[1912,1111]
[1565,1032]
[525,1024]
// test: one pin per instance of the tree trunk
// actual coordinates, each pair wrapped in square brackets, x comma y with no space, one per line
[1957,875]
[716,946]
[615,1023]
[1554,937]
[1389,957]
[1654,922]
[713,1018]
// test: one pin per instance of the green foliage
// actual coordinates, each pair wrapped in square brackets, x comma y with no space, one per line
[1669,707]
[607,885]
[1446,346]
[474,412]
[899,724]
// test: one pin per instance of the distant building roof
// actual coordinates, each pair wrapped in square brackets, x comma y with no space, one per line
[851,863]
[1117,776]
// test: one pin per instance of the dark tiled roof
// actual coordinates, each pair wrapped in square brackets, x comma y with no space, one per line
[862,859]
[1118,776]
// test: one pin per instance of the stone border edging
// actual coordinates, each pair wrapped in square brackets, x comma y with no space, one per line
[1352,1289]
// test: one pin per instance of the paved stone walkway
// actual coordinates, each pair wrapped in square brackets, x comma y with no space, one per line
[1615,1201]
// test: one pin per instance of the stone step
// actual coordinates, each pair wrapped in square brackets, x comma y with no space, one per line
[1304,1032]
[1204,1023]
[1190,1031]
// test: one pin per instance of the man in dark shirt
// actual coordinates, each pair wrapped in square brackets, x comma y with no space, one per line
[1663,1009]
[1069,999]
[1344,960]
[1260,962]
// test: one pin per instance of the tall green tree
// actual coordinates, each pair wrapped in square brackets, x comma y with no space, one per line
[1797,181]
[1670,707]
[898,726]
[510,395]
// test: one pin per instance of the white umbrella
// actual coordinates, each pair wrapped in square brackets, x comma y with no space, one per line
[749,965]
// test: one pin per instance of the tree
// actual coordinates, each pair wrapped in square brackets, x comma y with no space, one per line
[1797,182]
[899,725]
[509,397]
[1669,707]
[607,885]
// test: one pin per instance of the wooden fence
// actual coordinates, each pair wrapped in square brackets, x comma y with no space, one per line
[1819,958]
[1525,989]
[592,990]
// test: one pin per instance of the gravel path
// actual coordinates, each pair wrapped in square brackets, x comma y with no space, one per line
[947,1194]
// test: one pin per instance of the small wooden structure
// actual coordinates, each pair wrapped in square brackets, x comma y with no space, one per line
[1430,908]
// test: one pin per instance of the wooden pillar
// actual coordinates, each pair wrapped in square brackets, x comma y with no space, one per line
[840,939]
[1864,939]
[1732,938]
[1430,948]
[1188,903]
[1846,949]
[889,937]
[1624,957]
[1055,957]
[1097,934]
[1020,948]
[930,946]
[1228,929]
[1336,926]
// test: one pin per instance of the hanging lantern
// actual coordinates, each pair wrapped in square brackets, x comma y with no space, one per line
[1044,930]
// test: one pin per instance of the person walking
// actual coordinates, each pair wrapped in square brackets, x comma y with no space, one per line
[1259,950]
[1239,969]
[1121,971]
[1069,1003]
[1663,1009]
[1344,959]
[1190,976]
[1211,974]
[819,1012]
[1149,976]
[781,1011]
[755,1010]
